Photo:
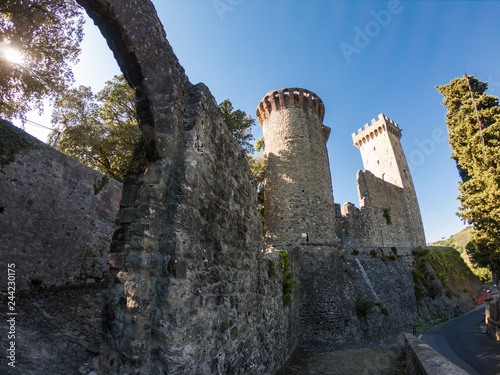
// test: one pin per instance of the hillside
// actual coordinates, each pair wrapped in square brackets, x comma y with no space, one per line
[458,241]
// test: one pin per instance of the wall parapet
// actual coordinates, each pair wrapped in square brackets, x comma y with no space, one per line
[421,359]
[290,97]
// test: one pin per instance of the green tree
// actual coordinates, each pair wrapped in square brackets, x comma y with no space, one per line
[100,130]
[258,168]
[39,41]
[259,144]
[239,123]
[473,121]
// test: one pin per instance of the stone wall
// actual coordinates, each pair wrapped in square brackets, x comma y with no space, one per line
[189,289]
[56,220]
[492,315]
[368,224]
[350,293]
[421,359]
[214,307]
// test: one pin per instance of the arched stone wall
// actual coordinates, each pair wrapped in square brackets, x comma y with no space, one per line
[189,289]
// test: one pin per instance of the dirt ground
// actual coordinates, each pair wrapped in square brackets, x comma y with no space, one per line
[383,357]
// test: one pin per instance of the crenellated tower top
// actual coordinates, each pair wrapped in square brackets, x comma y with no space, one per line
[291,97]
[377,128]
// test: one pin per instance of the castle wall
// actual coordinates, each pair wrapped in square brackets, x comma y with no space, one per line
[349,293]
[189,288]
[56,221]
[368,225]
[298,189]
[217,308]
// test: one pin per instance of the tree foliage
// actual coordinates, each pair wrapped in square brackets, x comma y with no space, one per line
[258,167]
[101,129]
[259,144]
[239,123]
[473,121]
[47,34]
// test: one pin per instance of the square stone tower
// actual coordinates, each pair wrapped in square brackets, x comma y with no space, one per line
[297,189]
[383,156]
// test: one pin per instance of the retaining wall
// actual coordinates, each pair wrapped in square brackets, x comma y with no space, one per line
[421,359]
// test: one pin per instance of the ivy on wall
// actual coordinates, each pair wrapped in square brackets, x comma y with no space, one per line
[289,285]
[387,216]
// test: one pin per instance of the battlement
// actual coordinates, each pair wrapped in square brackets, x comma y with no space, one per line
[291,97]
[377,128]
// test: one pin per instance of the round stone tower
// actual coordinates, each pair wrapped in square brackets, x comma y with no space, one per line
[297,189]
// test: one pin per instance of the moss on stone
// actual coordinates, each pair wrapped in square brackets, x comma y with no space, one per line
[14,141]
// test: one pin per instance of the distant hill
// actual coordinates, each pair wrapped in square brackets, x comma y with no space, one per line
[459,241]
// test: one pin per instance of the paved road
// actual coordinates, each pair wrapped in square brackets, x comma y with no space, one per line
[461,341]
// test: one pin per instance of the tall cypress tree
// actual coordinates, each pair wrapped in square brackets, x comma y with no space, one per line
[473,121]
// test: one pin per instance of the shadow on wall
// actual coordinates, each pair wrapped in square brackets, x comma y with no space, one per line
[57,214]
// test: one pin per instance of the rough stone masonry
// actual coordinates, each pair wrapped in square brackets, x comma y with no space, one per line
[189,287]
[56,214]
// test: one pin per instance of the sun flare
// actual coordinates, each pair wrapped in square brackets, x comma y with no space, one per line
[12,55]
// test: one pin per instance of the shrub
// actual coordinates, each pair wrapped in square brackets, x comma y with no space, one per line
[387,216]
[363,305]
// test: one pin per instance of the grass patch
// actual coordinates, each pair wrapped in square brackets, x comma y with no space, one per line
[449,268]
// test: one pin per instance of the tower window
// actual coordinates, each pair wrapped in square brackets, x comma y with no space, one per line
[378,161]
[374,149]
[404,172]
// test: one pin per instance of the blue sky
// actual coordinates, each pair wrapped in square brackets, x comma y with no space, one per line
[361,58]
